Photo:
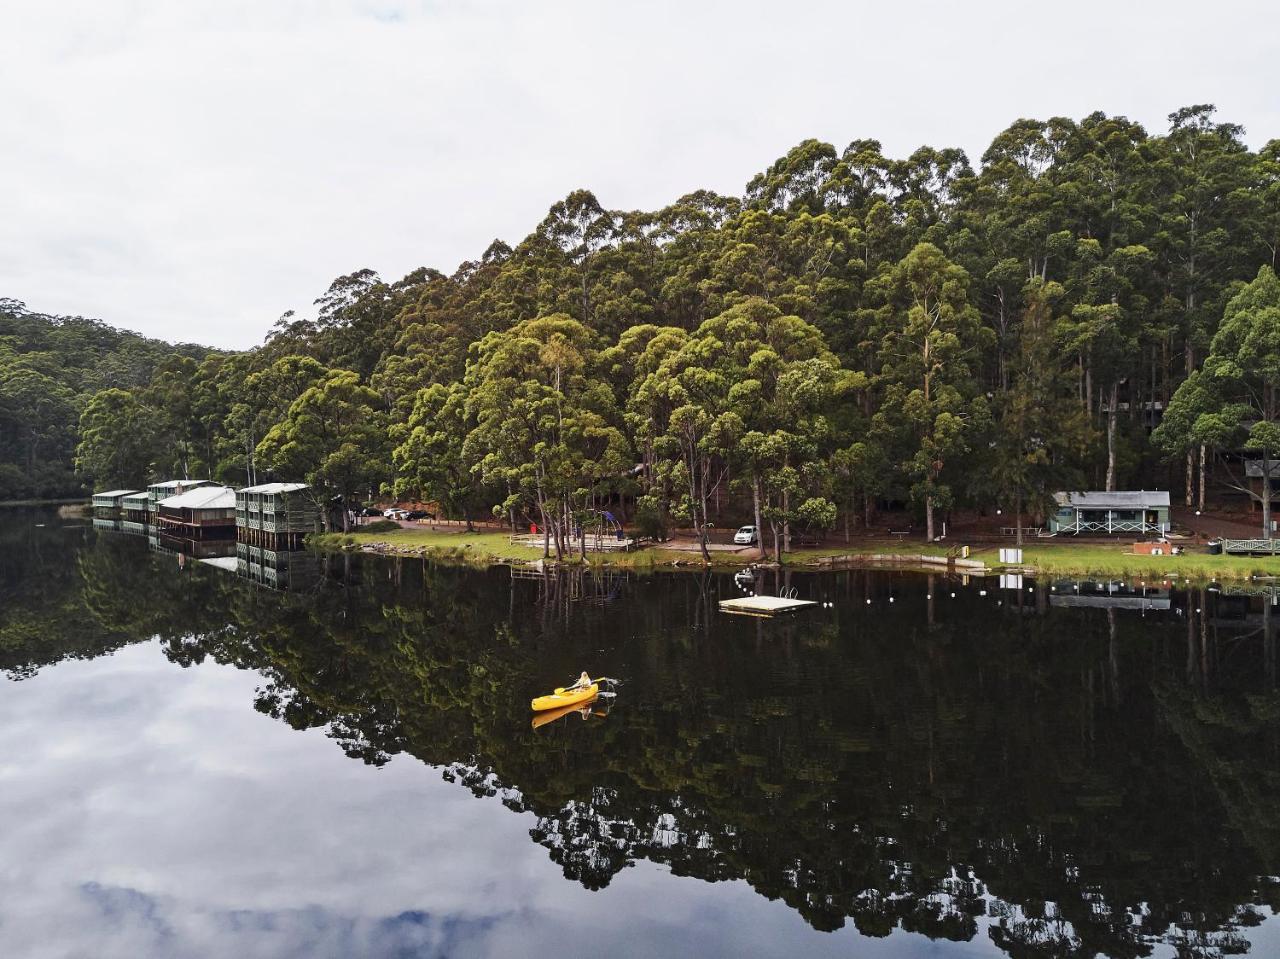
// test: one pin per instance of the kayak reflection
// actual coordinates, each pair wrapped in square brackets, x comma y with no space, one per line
[597,707]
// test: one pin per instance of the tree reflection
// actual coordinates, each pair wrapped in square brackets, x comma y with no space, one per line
[1063,780]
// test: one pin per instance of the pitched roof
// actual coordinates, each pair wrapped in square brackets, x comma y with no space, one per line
[203,497]
[174,484]
[274,488]
[1117,499]
[113,493]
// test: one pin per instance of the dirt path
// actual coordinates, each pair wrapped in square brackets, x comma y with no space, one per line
[1232,527]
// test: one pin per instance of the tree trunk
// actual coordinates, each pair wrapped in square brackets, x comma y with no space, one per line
[1202,478]
[1111,438]
[1191,477]
[755,503]
[1266,495]
[1017,518]
[786,521]
[928,519]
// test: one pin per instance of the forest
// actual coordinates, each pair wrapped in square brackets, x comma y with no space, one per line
[1091,305]
[50,369]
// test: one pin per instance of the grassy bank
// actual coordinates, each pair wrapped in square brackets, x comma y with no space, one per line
[1055,559]
[1088,559]
[485,547]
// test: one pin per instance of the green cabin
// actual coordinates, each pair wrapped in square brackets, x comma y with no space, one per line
[277,514]
[1116,513]
[110,502]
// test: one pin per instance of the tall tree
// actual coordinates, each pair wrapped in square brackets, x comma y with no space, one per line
[333,436]
[930,403]
[1237,400]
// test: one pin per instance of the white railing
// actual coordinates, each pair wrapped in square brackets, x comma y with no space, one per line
[1115,526]
[1271,546]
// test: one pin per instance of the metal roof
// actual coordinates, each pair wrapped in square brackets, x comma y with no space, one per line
[140,495]
[204,497]
[174,484]
[1117,499]
[275,488]
[114,493]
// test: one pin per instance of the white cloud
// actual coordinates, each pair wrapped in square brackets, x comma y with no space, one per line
[192,170]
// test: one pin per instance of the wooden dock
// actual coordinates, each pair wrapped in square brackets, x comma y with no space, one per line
[763,605]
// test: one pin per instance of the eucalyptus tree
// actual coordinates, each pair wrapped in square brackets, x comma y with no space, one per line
[333,436]
[544,423]
[1236,400]
[256,399]
[1266,214]
[1200,167]
[117,443]
[430,459]
[784,384]
[678,409]
[1041,431]
[1113,296]
[930,406]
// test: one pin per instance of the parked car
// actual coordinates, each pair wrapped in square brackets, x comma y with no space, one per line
[420,514]
[392,513]
[745,536]
[371,511]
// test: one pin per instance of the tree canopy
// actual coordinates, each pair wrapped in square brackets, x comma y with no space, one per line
[853,330]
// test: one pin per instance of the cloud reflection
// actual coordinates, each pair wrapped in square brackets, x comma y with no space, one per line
[150,811]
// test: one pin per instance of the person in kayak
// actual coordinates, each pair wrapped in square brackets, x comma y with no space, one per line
[583,681]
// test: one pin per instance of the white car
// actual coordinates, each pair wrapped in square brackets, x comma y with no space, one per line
[745,536]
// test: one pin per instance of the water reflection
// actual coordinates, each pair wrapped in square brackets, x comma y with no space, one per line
[977,764]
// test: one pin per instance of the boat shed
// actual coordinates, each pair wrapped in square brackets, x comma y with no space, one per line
[206,512]
[1100,513]
[276,515]
[111,500]
[158,491]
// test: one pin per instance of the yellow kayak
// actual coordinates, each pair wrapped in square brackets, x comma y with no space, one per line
[566,697]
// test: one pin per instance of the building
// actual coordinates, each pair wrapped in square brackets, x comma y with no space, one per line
[277,515]
[1124,512]
[136,510]
[206,512]
[1253,477]
[158,491]
[111,502]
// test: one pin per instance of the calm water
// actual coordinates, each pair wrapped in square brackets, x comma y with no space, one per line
[195,765]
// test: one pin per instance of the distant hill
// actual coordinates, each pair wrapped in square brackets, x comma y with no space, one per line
[49,367]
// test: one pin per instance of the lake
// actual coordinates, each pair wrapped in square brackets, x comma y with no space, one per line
[196,764]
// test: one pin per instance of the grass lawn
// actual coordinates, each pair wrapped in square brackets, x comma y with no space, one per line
[496,547]
[1070,559]
[1059,558]
[481,547]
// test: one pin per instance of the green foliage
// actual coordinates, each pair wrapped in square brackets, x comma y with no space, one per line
[855,327]
[332,435]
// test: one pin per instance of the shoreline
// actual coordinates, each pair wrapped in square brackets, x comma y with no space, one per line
[81,500]
[483,548]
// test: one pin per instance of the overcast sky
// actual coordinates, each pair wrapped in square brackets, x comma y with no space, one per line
[192,169]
